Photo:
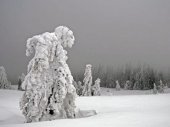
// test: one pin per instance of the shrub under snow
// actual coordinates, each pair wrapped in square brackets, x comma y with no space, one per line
[50,93]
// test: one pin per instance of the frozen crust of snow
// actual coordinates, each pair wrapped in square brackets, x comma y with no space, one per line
[112,111]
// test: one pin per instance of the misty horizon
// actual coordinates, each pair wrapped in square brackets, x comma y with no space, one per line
[112,33]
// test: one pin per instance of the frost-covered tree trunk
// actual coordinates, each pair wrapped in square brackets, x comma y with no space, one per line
[50,93]
[87,81]
[155,91]
[20,81]
[96,88]
[4,83]
[117,85]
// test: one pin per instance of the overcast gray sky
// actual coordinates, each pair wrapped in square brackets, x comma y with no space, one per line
[107,32]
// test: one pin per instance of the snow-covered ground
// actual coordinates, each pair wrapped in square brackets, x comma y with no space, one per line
[113,92]
[14,87]
[113,111]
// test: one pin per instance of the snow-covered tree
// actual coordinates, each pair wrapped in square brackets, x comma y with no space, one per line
[96,88]
[4,83]
[50,93]
[117,85]
[20,80]
[161,87]
[166,86]
[138,80]
[155,91]
[79,88]
[87,81]
[128,85]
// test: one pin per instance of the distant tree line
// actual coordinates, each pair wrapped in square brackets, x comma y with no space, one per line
[140,77]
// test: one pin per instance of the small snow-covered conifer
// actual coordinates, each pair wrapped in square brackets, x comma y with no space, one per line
[161,87]
[155,91]
[126,86]
[50,93]
[166,86]
[138,81]
[96,88]
[4,83]
[87,81]
[117,85]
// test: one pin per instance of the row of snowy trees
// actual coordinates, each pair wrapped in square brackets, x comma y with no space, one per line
[5,83]
[87,88]
[160,88]
[137,78]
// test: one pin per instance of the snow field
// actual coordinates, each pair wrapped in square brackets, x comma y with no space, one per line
[118,111]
